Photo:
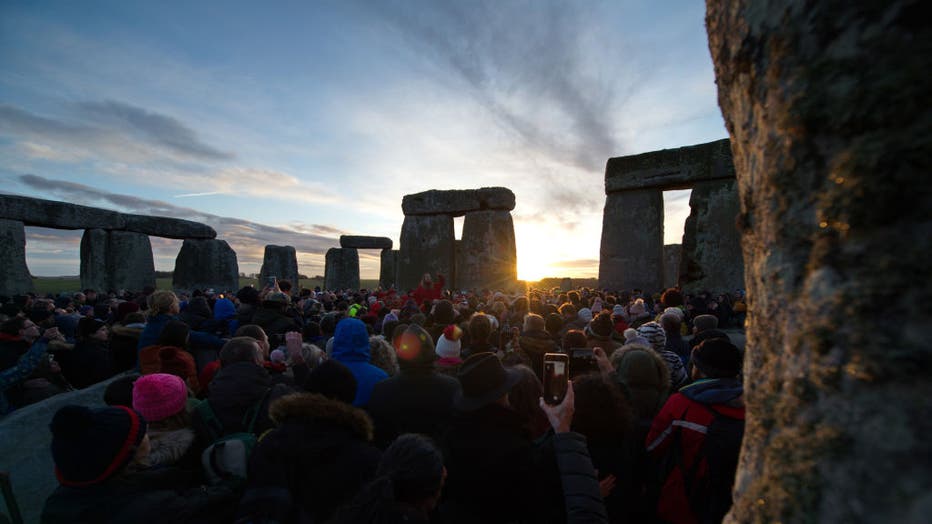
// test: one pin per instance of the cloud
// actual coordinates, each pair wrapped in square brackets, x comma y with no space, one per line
[161,130]
[247,238]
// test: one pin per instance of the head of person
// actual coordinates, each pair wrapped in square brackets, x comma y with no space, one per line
[175,333]
[163,302]
[484,381]
[480,328]
[248,295]
[654,335]
[574,338]
[277,301]
[414,465]
[21,327]
[256,333]
[643,375]
[554,323]
[178,362]
[672,320]
[601,325]
[568,310]
[240,349]
[602,413]
[119,392]
[525,395]
[533,322]
[414,348]
[351,340]
[716,358]
[92,329]
[161,397]
[333,380]
[382,355]
[92,445]
[444,313]
[704,323]
[672,297]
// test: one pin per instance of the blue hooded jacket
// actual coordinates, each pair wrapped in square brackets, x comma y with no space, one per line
[351,348]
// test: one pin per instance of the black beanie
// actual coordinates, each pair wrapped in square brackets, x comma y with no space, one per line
[717,358]
[88,326]
[91,445]
[332,380]
[120,391]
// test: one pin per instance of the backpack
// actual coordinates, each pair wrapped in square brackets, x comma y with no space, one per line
[228,454]
[710,497]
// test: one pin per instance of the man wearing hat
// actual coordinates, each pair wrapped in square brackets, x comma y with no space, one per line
[495,472]
[701,426]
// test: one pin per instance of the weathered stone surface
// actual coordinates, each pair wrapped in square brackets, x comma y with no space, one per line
[487,257]
[670,168]
[363,242]
[25,441]
[457,202]
[711,256]
[827,107]
[388,271]
[115,260]
[426,247]
[342,269]
[206,264]
[566,284]
[168,227]
[631,256]
[280,262]
[671,264]
[14,277]
[63,215]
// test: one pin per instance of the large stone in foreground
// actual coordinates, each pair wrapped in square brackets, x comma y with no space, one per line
[487,256]
[115,260]
[427,246]
[388,271]
[827,107]
[280,262]
[457,202]
[363,242]
[14,274]
[206,264]
[631,256]
[711,257]
[342,269]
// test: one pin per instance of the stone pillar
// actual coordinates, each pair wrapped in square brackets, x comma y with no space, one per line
[280,262]
[426,247]
[671,264]
[206,264]
[342,269]
[15,278]
[388,270]
[487,257]
[115,260]
[823,102]
[711,258]
[631,256]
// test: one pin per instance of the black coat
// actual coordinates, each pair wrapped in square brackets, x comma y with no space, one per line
[88,363]
[417,400]
[317,460]
[274,322]
[495,473]
[155,495]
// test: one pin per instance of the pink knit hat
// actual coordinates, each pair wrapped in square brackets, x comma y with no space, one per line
[159,396]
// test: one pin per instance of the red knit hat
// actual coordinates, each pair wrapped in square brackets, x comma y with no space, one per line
[178,362]
[159,396]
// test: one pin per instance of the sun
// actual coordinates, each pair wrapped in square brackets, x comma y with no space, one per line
[533,268]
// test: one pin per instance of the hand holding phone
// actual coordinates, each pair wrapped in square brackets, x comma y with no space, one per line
[556,377]
[561,415]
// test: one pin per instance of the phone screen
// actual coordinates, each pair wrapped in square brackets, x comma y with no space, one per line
[555,378]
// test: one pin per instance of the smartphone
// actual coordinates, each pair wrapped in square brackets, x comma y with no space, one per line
[271,281]
[582,361]
[556,377]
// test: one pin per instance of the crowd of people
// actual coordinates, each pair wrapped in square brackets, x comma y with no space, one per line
[300,405]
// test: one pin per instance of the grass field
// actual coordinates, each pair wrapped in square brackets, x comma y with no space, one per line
[56,285]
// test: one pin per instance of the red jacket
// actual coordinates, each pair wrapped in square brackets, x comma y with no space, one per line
[683,413]
[421,293]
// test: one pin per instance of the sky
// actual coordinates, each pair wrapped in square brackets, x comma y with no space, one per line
[292,123]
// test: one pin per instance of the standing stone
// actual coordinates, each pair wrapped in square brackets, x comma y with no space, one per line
[631,256]
[15,278]
[827,107]
[115,260]
[342,269]
[566,284]
[487,257]
[671,264]
[711,257]
[426,247]
[206,264]
[280,262]
[388,270]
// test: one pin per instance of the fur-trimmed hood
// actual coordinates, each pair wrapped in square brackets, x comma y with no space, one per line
[314,406]
[167,447]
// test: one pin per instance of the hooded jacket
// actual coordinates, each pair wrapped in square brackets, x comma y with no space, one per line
[416,400]
[351,348]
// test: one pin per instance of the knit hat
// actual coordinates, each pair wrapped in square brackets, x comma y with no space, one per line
[601,325]
[224,309]
[159,396]
[91,445]
[632,337]
[654,334]
[120,391]
[178,362]
[88,326]
[618,310]
[333,380]
[415,347]
[717,358]
[277,356]
[585,314]
[448,346]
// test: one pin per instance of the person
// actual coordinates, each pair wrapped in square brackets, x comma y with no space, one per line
[162,399]
[20,369]
[496,472]
[124,338]
[480,331]
[163,308]
[428,290]
[271,315]
[449,350]
[535,341]
[89,362]
[100,455]
[704,328]
[672,321]
[351,348]
[418,399]
[406,487]
[176,334]
[317,458]
[697,434]
[655,336]
[599,333]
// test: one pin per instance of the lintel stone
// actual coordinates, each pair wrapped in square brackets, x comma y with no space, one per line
[364,242]
[678,168]
[458,202]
